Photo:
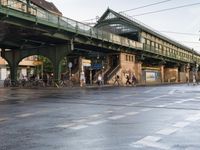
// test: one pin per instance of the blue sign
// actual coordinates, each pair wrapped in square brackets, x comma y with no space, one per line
[96,66]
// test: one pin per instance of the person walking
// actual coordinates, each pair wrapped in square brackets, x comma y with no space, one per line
[116,80]
[99,80]
[134,80]
[194,79]
[128,80]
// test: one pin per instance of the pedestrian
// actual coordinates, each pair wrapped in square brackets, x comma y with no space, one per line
[194,79]
[99,80]
[134,80]
[128,80]
[116,80]
[82,79]
[45,79]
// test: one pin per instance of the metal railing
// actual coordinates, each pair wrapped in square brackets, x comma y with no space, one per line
[69,24]
[161,52]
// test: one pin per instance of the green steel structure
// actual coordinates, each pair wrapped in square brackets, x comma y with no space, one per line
[26,30]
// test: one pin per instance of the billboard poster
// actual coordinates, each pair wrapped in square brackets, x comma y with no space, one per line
[151,76]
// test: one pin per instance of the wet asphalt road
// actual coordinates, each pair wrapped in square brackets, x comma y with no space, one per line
[124,118]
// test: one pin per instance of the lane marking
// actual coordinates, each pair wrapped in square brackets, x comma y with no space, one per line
[66,125]
[116,117]
[178,102]
[108,111]
[181,124]
[80,121]
[167,131]
[161,106]
[3,119]
[95,115]
[153,98]
[25,115]
[78,127]
[171,92]
[146,109]
[148,91]
[131,113]
[96,122]
[150,138]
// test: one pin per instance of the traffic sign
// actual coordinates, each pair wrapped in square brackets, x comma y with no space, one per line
[70,64]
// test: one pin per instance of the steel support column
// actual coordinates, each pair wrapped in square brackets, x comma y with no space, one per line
[13,59]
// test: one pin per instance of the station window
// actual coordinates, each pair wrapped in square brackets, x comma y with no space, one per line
[126,57]
[148,42]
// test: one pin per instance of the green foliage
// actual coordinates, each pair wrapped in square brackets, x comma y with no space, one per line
[47,65]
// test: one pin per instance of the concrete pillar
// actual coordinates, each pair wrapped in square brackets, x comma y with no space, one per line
[3,73]
[138,72]
[13,73]
[57,71]
[13,58]
[162,73]
[24,71]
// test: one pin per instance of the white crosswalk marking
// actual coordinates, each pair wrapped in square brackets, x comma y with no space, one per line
[97,122]
[167,131]
[66,125]
[150,141]
[80,121]
[193,118]
[95,115]
[161,105]
[116,117]
[157,97]
[25,115]
[79,127]
[131,113]
[146,109]
[172,92]
[181,124]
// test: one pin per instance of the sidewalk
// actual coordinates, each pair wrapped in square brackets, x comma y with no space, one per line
[101,86]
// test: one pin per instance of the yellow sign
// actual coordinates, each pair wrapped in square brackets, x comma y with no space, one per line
[86,62]
[37,62]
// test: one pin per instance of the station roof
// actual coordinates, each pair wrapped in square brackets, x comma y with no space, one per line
[49,6]
[129,24]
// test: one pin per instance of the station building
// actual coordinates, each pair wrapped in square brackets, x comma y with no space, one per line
[162,59]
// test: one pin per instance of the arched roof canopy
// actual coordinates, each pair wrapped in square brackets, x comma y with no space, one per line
[124,25]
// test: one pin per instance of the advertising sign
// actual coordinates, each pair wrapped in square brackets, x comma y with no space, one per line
[151,76]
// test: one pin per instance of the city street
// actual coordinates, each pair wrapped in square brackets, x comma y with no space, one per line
[102,118]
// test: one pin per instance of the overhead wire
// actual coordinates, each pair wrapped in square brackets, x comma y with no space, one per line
[140,7]
[167,9]
[181,33]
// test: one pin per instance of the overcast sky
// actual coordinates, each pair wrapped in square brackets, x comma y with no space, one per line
[183,20]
